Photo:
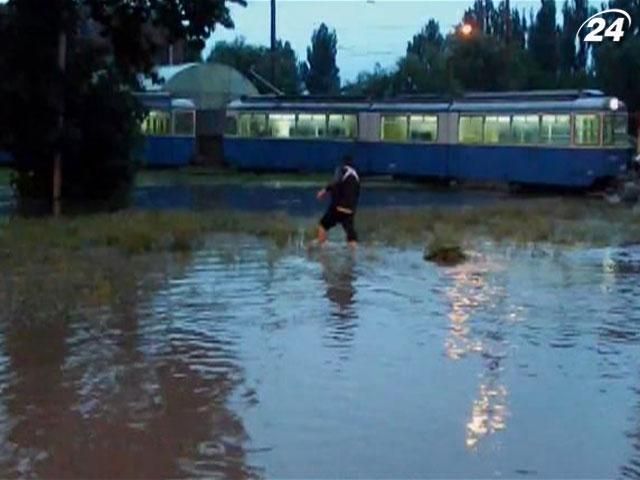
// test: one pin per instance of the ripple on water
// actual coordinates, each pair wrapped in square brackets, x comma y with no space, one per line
[239,363]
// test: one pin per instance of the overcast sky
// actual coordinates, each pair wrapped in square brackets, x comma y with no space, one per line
[368,32]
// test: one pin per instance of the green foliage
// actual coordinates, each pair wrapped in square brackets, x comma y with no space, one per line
[424,67]
[376,84]
[556,221]
[429,40]
[108,42]
[543,45]
[245,57]
[573,56]
[479,63]
[617,69]
[320,73]
[617,65]
[507,52]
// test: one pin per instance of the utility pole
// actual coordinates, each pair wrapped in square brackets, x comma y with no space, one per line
[273,41]
[57,160]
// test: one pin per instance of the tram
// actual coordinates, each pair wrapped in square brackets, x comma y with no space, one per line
[568,138]
[169,130]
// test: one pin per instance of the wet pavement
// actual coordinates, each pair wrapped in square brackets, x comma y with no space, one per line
[237,362]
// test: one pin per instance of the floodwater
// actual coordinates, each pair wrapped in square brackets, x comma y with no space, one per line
[237,362]
[295,200]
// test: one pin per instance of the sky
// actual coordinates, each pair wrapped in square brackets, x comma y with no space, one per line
[369,31]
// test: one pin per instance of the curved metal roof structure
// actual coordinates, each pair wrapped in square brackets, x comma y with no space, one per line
[211,86]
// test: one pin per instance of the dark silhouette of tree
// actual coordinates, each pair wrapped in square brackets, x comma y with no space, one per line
[572,54]
[543,45]
[320,72]
[423,69]
[479,63]
[376,84]
[108,43]
[426,41]
[616,66]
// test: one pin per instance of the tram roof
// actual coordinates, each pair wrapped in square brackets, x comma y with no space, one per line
[529,101]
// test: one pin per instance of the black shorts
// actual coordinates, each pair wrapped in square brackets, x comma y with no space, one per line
[332,217]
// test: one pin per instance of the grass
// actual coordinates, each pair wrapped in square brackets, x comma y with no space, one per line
[135,232]
[51,269]
[556,221]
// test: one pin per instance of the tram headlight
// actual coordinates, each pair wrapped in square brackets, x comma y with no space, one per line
[614,104]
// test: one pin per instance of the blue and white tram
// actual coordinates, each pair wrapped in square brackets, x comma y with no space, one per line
[169,130]
[575,139]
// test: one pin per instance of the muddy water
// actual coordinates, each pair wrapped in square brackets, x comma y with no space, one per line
[243,363]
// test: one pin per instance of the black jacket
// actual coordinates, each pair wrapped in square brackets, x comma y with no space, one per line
[345,188]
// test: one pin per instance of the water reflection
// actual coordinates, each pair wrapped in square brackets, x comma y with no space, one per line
[174,369]
[338,273]
[474,295]
[120,390]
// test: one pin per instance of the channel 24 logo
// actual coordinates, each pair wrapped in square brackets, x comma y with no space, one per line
[600,30]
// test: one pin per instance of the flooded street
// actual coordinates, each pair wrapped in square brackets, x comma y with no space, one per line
[240,362]
[295,200]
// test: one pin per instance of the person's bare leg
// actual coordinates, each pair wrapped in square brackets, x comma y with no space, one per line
[322,235]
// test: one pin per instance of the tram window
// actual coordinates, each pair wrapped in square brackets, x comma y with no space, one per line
[394,128]
[587,129]
[312,126]
[156,123]
[615,131]
[231,125]
[525,129]
[184,123]
[282,125]
[423,128]
[470,129]
[244,125]
[343,126]
[556,130]
[258,125]
[497,129]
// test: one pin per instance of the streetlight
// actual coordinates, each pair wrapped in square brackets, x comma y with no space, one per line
[464,31]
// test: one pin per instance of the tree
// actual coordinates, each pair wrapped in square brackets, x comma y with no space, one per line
[237,54]
[424,67]
[479,63]
[320,72]
[573,57]
[477,16]
[376,84]
[429,39]
[519,29]
[245,58]
[543,45]
[108,43]
[193,52]
[616,66]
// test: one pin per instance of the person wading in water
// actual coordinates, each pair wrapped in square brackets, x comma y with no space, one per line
[345,193]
